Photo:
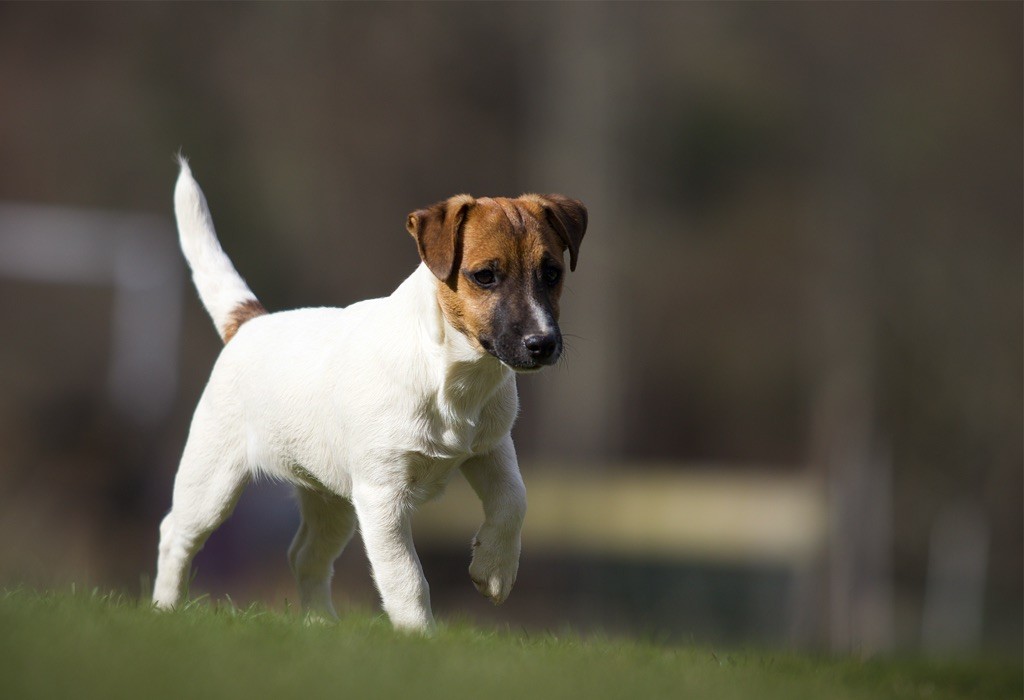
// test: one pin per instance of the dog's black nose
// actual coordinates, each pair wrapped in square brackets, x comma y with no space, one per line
[541,347]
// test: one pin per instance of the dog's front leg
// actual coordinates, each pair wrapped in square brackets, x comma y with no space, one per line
[495,478]
[387,536]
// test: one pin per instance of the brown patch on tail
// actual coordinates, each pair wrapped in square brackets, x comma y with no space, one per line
[246,311]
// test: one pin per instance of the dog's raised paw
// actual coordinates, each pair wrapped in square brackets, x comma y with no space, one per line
[494,566]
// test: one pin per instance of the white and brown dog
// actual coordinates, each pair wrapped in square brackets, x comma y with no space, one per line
[369,409]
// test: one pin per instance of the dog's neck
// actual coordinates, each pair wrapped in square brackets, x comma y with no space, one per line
[469,375]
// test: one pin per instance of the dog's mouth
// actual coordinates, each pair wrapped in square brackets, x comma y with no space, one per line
[525,370]
[522,368]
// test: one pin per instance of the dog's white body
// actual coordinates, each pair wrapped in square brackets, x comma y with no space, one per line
[368,410]
[381,392]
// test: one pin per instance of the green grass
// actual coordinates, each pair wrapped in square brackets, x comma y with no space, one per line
[83,645]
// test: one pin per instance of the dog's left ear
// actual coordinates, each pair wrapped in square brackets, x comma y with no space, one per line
[436,230]
[569,219]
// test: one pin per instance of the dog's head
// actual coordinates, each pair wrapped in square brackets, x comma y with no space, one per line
[500,263]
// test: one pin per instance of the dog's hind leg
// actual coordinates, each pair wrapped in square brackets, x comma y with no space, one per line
[328,522]
[206,489]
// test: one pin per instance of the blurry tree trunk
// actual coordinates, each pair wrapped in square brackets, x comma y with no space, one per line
[844,445]
[843,441]
[576,76]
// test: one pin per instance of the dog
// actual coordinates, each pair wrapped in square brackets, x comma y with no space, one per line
[369,409]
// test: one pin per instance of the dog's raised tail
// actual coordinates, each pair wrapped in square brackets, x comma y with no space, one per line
[222,290]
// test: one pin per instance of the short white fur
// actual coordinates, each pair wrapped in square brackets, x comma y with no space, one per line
[220,286]
[367,410]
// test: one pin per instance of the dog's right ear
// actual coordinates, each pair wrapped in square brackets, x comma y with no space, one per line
[437,230]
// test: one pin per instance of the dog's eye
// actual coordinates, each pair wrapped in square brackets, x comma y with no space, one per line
[552,275]
[485,277]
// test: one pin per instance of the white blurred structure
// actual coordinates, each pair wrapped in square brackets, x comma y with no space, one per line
[955,588]
[134,254]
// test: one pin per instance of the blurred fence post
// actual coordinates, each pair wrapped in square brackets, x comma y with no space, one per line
[578,75]
[955,587]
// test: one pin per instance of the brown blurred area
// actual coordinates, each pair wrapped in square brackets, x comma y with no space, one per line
[804,266]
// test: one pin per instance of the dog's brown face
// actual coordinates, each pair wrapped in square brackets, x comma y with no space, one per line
[500,264]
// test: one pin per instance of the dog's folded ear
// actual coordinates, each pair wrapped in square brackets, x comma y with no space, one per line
[436,230]
[569,219]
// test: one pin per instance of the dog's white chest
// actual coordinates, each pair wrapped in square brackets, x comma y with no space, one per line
[460,440]
[462,431]
[452,437]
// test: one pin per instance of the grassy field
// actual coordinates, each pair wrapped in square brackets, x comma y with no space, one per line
[84,645]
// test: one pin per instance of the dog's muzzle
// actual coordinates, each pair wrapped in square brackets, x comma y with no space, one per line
[525,354]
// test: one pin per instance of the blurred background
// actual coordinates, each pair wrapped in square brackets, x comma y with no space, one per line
[791,408]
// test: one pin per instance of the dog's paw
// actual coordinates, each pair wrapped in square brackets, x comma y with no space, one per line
[495,564]
[412,620]
[318,618]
